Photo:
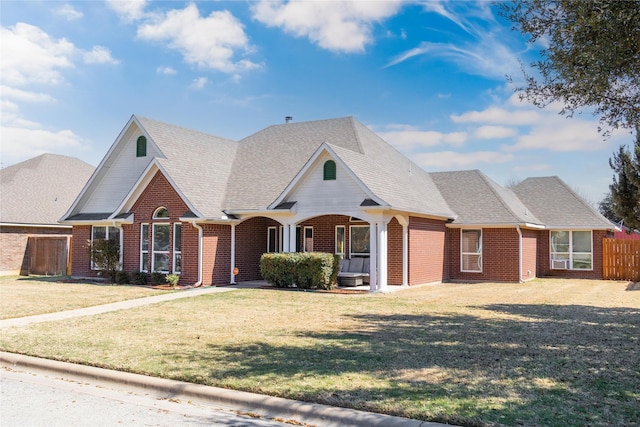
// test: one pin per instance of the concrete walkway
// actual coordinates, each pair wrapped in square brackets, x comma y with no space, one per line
[114,306]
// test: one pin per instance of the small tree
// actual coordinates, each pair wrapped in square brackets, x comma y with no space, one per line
[105,255]
[625,189]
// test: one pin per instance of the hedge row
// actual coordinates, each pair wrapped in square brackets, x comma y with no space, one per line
[306,270]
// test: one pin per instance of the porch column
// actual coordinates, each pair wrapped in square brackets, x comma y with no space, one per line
[382,255]
[405,255]
[285,238]
[233,253]
[373,257]
[292,237]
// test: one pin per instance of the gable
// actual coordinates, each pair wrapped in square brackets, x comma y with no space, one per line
[314,195]
[120,171]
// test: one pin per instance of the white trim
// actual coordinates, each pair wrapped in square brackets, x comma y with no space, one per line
[173,249]
[16,224]
[463,253]
[144,268]
[153,250]
[344,240]
[232,279]
[569,261]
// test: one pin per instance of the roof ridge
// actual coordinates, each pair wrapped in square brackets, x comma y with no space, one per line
[506,205]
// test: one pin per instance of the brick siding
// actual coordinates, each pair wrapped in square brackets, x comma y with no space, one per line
[426,254]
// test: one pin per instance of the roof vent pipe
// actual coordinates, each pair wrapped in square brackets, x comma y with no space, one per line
[288,119]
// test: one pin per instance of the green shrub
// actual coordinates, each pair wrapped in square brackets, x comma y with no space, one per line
[173,279]
[158,278]
[139,277]
[308,270]
[122,278]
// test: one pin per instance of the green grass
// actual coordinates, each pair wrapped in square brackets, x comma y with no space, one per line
[549,352]
[27,295]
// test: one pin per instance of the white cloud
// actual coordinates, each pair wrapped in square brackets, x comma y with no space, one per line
[485,52]
[411,139]
[21,143]
[451,160]
[165,70]
[494,132]
[208,42]
[29,55]
[68,12]
[99,55]
[338,26]
[23,95]
[557,133]
[198,83]
[128,10]
[498,115]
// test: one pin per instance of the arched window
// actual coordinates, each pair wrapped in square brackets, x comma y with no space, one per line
[329,170]
[161,213]
[141,147]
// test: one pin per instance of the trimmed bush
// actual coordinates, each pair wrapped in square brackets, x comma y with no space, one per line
[158,278]
[309,270]
[139,278]
[122,278]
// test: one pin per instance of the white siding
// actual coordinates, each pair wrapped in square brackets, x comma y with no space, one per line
[316,196]
[119,176]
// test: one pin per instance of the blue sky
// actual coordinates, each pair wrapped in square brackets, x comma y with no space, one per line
[428,76]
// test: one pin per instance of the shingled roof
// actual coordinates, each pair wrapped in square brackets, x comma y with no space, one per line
[38,191]
[269,160]
[479,200]
[551,200]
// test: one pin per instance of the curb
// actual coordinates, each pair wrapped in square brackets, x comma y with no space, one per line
[310,413]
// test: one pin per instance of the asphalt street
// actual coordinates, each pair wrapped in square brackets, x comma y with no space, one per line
[29,398]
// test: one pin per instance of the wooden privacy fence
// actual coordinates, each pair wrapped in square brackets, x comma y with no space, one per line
[49,255]
[621,259]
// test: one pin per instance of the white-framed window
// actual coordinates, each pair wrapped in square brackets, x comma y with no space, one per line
[161,213]
[274,239]
[177,248]
[308,239]
[144,247]
[161,245]
[471,251]
[571,250]
[359,240]
[340,240]
[102,232]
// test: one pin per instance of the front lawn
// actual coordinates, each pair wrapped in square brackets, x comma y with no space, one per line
[28,296]
[548,352]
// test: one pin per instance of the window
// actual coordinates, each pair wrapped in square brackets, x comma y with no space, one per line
[106,232]
[272,241]
[340,239]
[571,250]
[144,247]
[471,250]
[329,170]
[359,240]
[308,239]
[161,247]
[141,147]
[177,248]
[161,213]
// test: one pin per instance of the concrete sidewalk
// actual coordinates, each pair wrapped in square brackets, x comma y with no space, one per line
[114,306]
[267,407]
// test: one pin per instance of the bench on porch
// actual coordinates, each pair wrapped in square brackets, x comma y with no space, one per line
[354,271]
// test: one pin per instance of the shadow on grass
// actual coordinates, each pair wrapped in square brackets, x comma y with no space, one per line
[512,364]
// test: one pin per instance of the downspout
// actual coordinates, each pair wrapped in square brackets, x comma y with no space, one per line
[519,253]
[199,228]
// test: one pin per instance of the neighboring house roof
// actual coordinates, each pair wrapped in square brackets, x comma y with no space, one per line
[38,191]
[551,200]
[480,201]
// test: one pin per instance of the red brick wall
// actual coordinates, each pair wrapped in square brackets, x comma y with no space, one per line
[500,256]
[251,243]
[80,261]
[426,250]
[529,254]
[544,258]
